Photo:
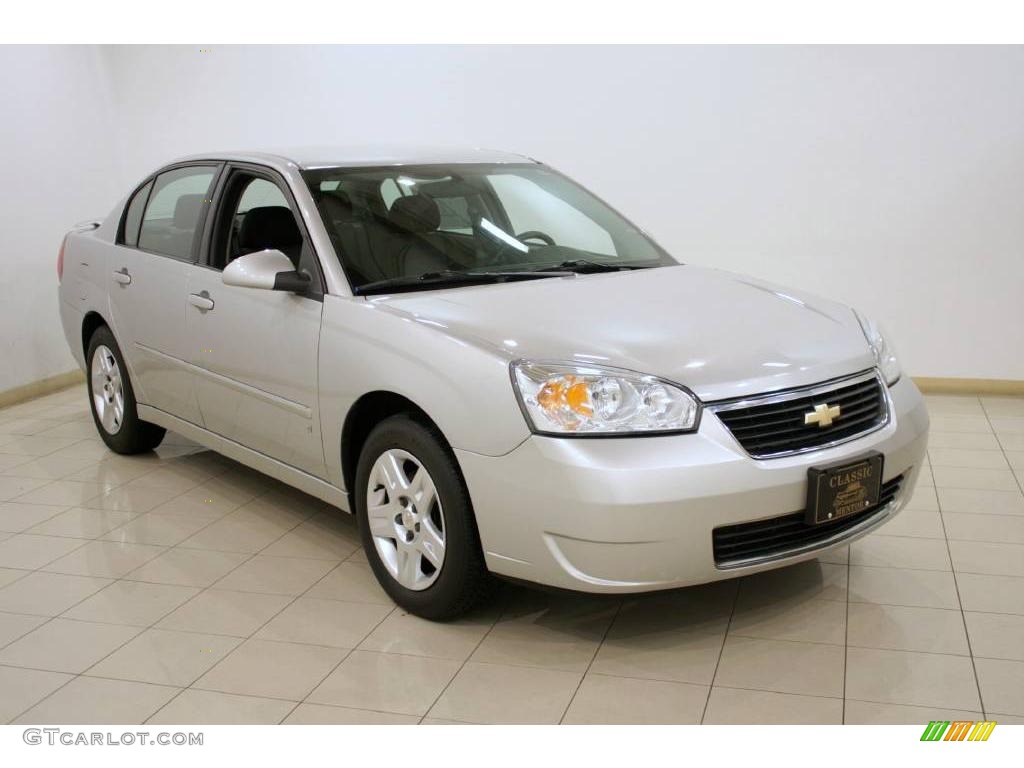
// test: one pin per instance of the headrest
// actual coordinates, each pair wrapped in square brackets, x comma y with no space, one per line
[336,207]
[416,213]
[186,210]
[271,226]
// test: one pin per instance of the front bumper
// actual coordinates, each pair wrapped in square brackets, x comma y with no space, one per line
[637,514]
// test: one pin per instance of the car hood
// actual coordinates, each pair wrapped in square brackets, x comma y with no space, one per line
[720,334]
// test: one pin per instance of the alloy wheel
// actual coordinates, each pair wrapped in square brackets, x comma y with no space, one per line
[405,519]
[107,390]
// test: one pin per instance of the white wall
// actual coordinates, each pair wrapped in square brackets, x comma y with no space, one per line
[56,154]
[889,178]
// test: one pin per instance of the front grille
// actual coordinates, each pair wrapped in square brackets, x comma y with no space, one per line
[774,425]
[776,536]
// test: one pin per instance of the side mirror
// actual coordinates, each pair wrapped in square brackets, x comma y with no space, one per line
[270,270]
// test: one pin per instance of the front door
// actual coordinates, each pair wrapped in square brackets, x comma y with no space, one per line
[255,351]
[148,274]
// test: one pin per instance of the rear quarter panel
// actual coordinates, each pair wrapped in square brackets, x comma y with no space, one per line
[83,288]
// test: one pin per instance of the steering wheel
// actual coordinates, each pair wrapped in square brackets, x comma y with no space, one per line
[535,234]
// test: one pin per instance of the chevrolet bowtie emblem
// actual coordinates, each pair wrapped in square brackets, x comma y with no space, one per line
[823,415]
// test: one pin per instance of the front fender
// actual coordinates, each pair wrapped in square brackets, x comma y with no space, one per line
[462,385]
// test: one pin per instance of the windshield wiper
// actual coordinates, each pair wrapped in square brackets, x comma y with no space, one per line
[585,265]
[452,277]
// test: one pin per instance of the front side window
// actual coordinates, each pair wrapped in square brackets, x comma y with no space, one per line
[176,203]
[406,224]
[254,215]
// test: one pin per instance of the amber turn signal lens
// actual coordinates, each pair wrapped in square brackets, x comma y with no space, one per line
[578,398]
[565,392]
[563,398]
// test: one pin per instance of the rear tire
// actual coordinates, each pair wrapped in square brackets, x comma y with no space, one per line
[416,521]
[112,399]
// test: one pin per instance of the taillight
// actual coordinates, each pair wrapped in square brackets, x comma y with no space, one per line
[60,259]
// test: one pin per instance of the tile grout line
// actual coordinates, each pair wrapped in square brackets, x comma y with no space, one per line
[65,509]
[1013,471]
[503,601]
[846,636]
[74,675]
[252,635]
[331,671]
[116,580]
[50,481]
[253,555]
[210,586]
[417,656]
[113,580]
[721,650]
[115,650]
[593,657]
[956,584]
[283,609]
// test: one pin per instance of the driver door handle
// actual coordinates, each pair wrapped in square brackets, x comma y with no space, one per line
[201,300]
[121,275]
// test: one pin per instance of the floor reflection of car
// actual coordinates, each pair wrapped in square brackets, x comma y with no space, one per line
[493,369]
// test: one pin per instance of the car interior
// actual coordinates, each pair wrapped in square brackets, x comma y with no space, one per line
[410,223]
[173,235]
[260,219]
[269,226]
[381,243]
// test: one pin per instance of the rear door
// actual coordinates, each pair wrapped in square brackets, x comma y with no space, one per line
[255,351]
[157,242]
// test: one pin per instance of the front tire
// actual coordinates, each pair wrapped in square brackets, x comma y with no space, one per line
[417,522]
[112,399]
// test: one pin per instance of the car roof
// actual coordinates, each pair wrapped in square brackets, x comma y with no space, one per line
[309,158]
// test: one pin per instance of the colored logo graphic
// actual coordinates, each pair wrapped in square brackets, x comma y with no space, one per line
[958,730]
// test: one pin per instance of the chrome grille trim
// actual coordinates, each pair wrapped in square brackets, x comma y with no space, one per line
[814,391]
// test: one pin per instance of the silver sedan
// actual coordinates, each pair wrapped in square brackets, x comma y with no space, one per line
[492,368]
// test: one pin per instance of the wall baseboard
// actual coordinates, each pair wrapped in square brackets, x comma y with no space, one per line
[42,387]
[998,387]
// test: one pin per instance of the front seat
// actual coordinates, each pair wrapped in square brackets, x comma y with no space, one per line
[410,218]
[271,226]
[348,233]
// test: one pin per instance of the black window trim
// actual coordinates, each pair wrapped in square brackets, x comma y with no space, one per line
[218,171]
[124,214]
[318,287]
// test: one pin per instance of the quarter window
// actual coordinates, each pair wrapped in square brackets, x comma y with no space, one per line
[133,217]
[175,206]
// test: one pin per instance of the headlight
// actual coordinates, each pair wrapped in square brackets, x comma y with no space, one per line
[885,355]
[571,399]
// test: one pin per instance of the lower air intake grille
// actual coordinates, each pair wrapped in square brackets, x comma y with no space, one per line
[777,535]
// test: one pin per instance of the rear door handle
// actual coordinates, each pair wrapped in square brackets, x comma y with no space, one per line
[201,300]
[122,276]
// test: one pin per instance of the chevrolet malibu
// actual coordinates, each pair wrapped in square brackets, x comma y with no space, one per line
[490,367]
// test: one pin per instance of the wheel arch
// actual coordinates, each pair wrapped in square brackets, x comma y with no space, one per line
[90,323]
[366,412]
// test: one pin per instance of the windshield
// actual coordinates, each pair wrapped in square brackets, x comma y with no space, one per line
[418,226]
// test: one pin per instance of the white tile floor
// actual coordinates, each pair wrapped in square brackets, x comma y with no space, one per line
[180,587]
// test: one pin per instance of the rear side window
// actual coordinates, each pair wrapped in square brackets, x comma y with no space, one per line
[175,206]
[133,217]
